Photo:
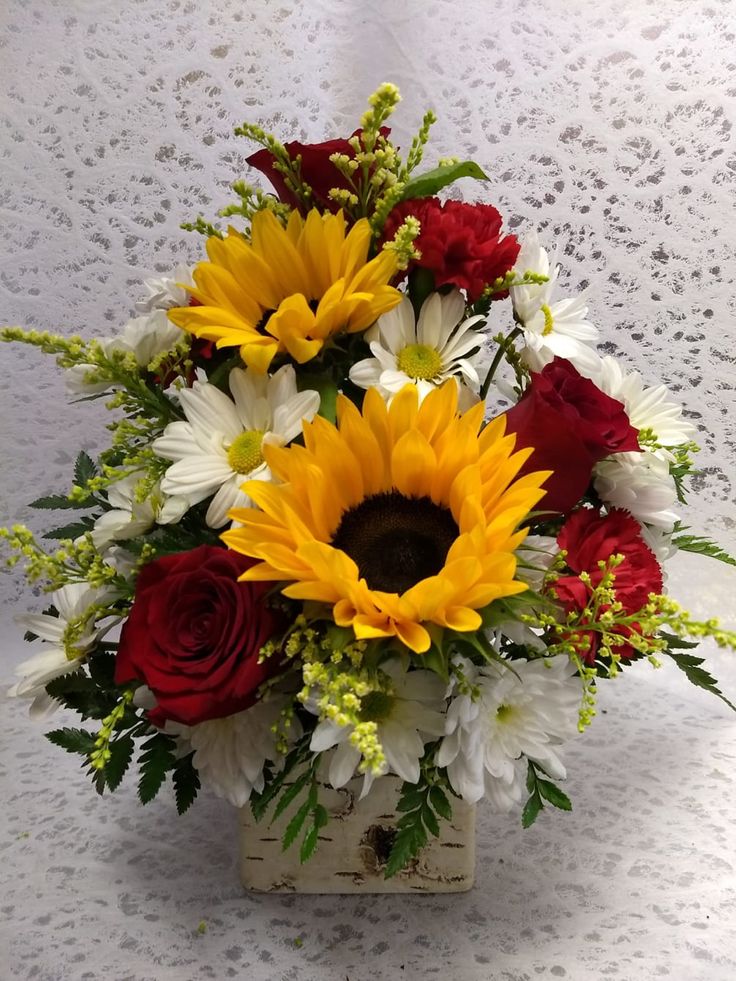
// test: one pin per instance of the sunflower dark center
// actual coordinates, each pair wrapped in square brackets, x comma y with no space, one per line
[396,541]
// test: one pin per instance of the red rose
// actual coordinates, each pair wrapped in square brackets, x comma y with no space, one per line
[572,425]
[194,633]
[316,170]
[461,244]
[589,538]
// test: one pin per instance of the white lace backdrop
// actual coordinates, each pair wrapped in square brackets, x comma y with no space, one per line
[608,125]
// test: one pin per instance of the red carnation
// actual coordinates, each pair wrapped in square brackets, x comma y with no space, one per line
[461,244]
[316,170]
[194,633]
[572,425]
[589,537]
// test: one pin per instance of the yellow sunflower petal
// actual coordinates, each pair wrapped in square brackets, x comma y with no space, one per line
[413,465]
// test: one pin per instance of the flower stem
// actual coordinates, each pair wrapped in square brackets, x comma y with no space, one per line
[502,349]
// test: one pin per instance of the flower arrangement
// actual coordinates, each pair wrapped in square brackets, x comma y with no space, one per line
[373,505]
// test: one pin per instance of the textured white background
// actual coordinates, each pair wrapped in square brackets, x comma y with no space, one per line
[608,124]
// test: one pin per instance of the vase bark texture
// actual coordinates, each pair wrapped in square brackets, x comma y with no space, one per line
[354,847]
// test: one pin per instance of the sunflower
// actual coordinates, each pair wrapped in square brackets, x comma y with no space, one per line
[399,517]
[288,289]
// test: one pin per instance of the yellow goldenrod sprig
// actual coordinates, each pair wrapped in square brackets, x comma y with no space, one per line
[418,143]
[101,754]
[253,200]
[74,561]
[290,169]
[402,244]
[339,685]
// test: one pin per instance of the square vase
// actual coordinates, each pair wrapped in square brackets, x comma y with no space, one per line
[354,847]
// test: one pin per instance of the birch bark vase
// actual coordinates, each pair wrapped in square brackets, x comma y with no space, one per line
[354,846]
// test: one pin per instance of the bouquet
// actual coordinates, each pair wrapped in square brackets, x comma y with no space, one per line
[373,505]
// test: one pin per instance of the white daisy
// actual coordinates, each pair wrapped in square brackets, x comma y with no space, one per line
[407,717]
[647,408]
[440,345]
[550,329]
[165,292]
[52,660]
[230,753]
[639,483]
[526,709]
[219,446]
[129,517]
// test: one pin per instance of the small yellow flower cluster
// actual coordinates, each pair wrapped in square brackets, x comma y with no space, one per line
[74,561]
[289,169]
[100,755]
[402,243]
[253,200]
[336,682]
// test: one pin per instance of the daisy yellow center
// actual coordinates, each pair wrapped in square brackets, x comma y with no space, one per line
[504,713]
[376,706]
[396,541]
[549,322]
[419,361]
[245,454]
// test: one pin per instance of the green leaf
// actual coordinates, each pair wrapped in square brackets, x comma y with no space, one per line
[426,185]
[73,530]
[84,469]
[77,681]
[121,753]
[320,816]
[438,661]
[678,643]
[73,740]
[309,844]
[295,825]
[430,821]
[531,810]
[408,843]
[410,801]
[56,502]
[554,795]
[439,801]
[698,676]
[702,546]
[156,759]
[327,393]
[186,783]
[290,794]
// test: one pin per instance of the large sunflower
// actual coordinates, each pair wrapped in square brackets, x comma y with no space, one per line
[288,289]
[400,516]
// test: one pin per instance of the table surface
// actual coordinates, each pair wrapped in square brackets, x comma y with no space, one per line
[637,882]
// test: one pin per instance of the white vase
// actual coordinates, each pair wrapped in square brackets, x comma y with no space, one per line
[354,846]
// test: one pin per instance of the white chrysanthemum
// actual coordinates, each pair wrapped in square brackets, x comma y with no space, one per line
[527,711]
[647,408]
[639,483]
[145,337]
[165,292]
[659,541]
[428,351]
[230,753]
[52,660]
[219,446]
[129,517]
[407,718]
[550,328]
